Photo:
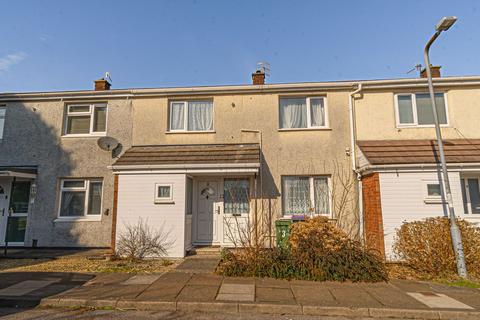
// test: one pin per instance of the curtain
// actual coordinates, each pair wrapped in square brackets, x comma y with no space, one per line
[293,113]
[405,109]
[296,195]
[317,112]
[78,124]
[200,115]
[236,196]
[95,198]
[73,203]
[322,197]
[425,110]
[177,110]
[100,119]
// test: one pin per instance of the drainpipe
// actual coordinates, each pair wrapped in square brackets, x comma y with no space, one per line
[353,138]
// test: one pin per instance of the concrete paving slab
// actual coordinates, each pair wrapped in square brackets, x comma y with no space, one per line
[313,295]
[275,295]
[25,287]
[237,288]
[106,279]
[107,292]
[166,288]
[205,279]
[141,279]
[392,297]
[240,297]
[239,280]
[354,296]
[198,265]
[198,293]
[438,300]
[272,283]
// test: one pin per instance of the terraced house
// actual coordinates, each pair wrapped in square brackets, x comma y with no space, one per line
[219,165]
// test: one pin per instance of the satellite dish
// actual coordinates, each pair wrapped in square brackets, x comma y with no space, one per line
[107,143]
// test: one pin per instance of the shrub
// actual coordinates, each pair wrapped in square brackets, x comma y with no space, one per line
[318,251]
[426,246]
[140,241]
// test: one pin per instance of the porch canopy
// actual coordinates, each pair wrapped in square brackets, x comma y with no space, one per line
[18,172]
[393,152]
[191,158]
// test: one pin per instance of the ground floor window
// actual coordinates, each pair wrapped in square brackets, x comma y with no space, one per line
[236,196]
[471,195]
[80,197]
[305,195]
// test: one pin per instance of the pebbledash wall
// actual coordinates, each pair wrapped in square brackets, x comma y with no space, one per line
[33,137]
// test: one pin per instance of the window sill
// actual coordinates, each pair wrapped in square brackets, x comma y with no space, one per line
[164,202]
[306,129]
[78,219]
[423,126]
[86,135]
[434,201]
[189,132]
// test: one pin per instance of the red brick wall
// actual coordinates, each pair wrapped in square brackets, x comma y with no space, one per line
[372,209]
[114,213]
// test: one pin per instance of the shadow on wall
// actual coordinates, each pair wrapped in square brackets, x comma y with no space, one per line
[29,140]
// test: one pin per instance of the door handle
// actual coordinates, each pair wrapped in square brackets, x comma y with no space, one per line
[218,210]
[3,212]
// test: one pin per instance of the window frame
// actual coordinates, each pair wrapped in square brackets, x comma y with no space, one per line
[466,200]
[185,116]
[86,190]
[163,200]
[309,113]
[428,199]
[4,117]
[90,113]
[415,112]
[311,181]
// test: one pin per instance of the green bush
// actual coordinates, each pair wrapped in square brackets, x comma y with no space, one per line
[426,246]
[317,251]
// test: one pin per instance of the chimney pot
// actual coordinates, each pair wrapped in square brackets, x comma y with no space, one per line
[258,77]
[102,84]
[435,72]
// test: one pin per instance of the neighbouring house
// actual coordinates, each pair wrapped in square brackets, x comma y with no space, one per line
[219,165]
[398,158]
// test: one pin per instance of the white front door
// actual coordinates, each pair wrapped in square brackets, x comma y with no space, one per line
[4,201]
[209,212]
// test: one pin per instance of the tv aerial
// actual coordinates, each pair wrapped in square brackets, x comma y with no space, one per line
[264,67]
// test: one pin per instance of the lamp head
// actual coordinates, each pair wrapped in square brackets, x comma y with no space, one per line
[445,23]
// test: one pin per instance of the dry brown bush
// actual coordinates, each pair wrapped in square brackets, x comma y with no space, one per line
[426,246]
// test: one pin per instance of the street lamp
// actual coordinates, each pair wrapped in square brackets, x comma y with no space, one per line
[443,25]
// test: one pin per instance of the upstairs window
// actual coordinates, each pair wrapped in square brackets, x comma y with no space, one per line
[86,119]
[3,111]
[298,113]
[416,109]
[191,115]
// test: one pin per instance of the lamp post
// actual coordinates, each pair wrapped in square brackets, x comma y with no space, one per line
[443,25]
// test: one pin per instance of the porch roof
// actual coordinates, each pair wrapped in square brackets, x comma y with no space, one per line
[191,154]
[386,152]
[20,172]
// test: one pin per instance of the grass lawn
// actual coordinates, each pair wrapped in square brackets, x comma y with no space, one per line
[82,264]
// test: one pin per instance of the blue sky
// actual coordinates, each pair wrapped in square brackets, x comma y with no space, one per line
[65,45]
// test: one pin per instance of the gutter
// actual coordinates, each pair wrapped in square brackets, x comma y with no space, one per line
[422,166]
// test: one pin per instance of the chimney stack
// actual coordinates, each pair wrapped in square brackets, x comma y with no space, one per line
[102,84]
[435,72]
[258,77]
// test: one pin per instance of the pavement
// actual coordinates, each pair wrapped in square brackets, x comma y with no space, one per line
[193,287]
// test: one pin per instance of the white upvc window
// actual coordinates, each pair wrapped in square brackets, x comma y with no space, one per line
[471,194]
[415,109]
[86,119]
[191,116]
[163,193]
[303,113]
[3,111]
[433,192]
[80,198]
[306,195]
